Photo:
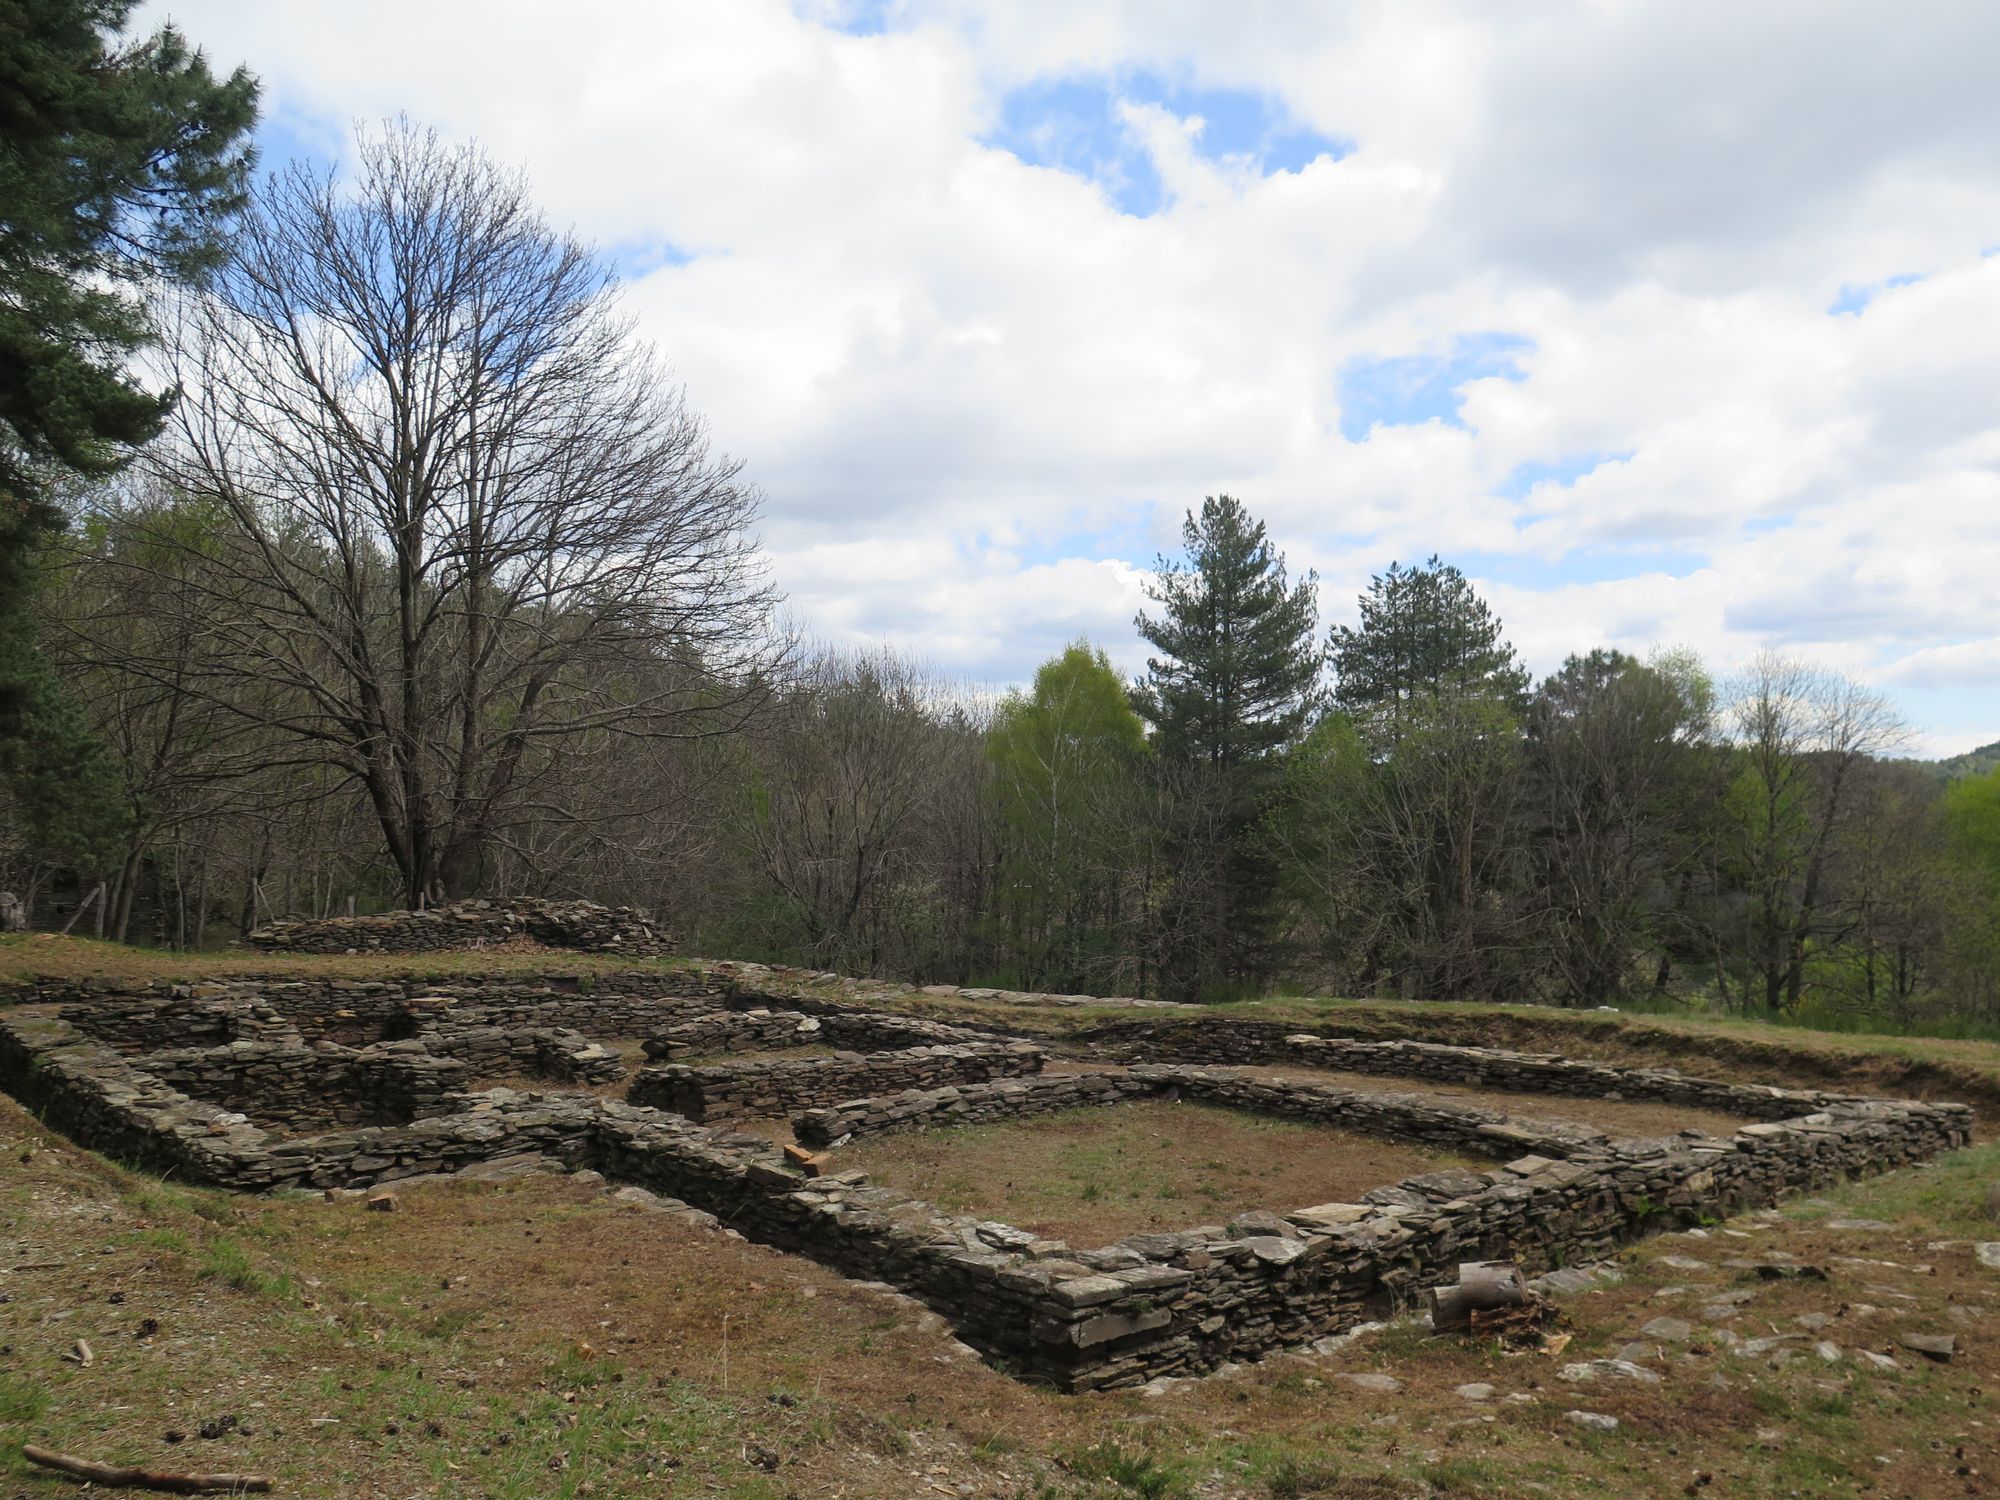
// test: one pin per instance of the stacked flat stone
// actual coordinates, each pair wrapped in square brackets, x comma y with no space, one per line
[619,1006]
[296,1088]
[1146,1306]
[582,926]
[734,1090]
[764,1030]
[1257,1042]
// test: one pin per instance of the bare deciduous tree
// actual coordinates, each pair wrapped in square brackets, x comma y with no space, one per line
[859,816]
[1803,733]
[470,518]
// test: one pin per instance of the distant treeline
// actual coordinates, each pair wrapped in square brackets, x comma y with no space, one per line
[423,581]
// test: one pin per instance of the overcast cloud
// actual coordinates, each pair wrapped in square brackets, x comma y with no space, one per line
[1670,323]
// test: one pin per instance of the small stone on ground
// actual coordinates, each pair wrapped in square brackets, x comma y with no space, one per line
[1596,1421]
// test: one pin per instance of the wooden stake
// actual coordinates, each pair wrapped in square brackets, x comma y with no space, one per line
[113,1477]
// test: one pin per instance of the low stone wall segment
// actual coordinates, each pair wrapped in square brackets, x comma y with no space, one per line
[581,926]
[1219,1041]
[735,1090]
[294,1088]
[761,1029]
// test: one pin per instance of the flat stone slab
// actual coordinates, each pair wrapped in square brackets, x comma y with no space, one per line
[1673,1330]
[1938,1346]
[1595,1421]
[1381,1385]
[1586,1371]
[1988,1255]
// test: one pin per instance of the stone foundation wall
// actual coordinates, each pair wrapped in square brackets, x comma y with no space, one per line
[974,1104]
[1259,1042]
[619,1006]
[146,1024]
[583,926]
[1081,1319]
[763,1030]
[1403,1117]
[294,1088]
[552,1052]
[1182,1303]
[111,1104]
[732,1090]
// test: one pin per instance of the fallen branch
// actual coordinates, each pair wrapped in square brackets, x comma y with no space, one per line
[114,1477]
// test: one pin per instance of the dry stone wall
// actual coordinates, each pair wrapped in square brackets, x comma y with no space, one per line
[113,1104]
[1182,1303]
[294,1088]
[1403,1117]
[614,1006]
[583,926]
[734,1090]
[1105,1317]
[1255,1042]
[763,1030]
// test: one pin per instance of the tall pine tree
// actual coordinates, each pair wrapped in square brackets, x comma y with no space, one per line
[120,166]
[1233,683]
[1425,636]
[1237,668]
[121,163]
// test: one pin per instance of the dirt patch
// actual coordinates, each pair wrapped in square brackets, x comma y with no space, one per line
[1627,1117]
[1090,1176]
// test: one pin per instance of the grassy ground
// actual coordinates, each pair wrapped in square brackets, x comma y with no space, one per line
[1090,1176]
[540,1339]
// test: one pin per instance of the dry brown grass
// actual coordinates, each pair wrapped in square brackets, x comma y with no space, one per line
[1090,1176]
[535,1339]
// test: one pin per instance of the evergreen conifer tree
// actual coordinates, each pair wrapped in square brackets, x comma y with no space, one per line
[1237,667]
[1425,636]
[1235,681]
[120,166]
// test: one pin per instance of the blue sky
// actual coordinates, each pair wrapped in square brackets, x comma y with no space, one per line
[1077,124]
[1661,339]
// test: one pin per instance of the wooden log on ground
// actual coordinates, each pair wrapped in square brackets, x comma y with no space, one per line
[1482,1286]
[113,1476]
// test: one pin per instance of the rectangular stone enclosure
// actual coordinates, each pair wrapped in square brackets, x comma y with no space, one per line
[316,1084]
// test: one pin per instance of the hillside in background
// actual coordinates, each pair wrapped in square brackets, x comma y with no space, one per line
[1972,763]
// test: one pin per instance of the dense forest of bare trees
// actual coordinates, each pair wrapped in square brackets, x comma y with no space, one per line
[432,586]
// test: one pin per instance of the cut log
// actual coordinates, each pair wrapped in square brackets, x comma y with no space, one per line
[1482,1286]
[112,1476]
